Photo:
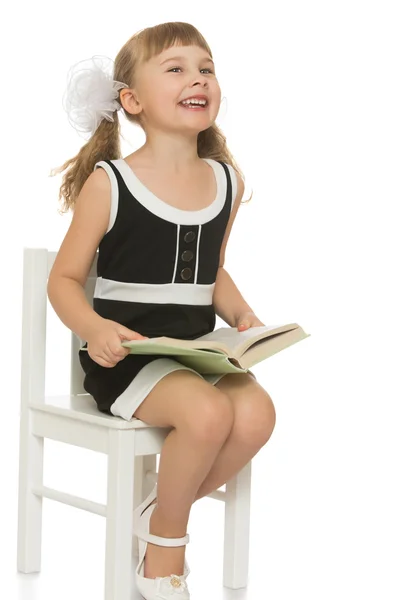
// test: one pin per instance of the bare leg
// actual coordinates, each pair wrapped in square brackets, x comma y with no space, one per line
[231,459]
[205,417]
[253,425]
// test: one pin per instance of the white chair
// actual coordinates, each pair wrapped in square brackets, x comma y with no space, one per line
[131,447]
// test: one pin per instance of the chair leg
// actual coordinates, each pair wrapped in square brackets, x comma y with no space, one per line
[237,529]
[142,487]
[137,497]
[120,492]
[149,465]
[29,544]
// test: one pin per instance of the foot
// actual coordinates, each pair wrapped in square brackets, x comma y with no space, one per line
[161,561]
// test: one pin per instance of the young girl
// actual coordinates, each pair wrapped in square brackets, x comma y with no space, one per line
[160,219]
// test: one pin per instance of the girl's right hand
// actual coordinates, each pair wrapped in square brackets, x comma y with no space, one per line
[104,344]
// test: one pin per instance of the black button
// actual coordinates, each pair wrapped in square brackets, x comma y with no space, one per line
[187,255]
[186,273]
[189,236]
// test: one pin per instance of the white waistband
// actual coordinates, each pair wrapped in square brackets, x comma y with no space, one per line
[167,293]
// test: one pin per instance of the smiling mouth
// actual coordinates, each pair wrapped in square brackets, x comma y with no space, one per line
[194,106]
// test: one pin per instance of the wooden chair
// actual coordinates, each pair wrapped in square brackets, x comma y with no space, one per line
[131,448]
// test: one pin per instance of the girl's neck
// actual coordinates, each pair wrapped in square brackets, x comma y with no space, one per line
[173,156]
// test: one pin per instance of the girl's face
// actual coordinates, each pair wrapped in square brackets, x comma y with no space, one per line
[178,73]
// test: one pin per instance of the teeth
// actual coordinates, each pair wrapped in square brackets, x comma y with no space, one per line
[194,101]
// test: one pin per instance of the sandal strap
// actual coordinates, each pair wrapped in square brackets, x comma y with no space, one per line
[163,541]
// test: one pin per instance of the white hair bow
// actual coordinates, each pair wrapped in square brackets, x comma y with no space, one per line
[91,93]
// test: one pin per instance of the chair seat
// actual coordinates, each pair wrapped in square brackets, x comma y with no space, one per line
[83,407]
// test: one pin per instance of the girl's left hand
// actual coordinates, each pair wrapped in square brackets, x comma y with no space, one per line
[247,320]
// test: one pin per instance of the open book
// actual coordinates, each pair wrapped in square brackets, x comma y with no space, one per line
[224,350]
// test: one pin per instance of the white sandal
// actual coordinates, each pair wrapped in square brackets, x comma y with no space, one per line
[173,587]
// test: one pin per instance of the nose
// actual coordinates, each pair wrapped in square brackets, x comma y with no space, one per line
[200,79]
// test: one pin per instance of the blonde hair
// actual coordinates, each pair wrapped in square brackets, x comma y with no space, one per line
[105,141]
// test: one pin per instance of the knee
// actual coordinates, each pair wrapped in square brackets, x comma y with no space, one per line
[254,421]
[212,418]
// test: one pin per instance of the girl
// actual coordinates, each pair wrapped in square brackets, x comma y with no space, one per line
[160,219]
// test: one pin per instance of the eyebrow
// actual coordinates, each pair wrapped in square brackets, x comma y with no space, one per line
[184,58]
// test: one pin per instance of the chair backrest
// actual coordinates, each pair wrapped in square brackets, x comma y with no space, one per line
[37,264]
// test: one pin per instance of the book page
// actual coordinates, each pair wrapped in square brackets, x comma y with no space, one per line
[227,340]
[238,341]
[272,345]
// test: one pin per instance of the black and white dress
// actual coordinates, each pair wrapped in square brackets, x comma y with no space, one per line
[156,273]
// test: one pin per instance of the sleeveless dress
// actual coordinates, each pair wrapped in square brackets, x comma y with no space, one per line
[156,273]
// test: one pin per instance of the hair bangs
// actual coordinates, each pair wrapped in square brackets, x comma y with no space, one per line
[154,40]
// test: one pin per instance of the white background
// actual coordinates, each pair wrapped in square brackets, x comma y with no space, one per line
[312,117]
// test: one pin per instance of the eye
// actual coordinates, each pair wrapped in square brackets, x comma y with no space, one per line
[173,69]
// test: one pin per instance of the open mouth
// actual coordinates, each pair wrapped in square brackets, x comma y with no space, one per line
[192,105]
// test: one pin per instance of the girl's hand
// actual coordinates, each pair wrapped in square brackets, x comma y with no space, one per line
[248,319]
[104,344]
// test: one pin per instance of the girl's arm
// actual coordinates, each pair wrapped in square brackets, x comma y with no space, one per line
[228,302]
[68,299]
[67,278]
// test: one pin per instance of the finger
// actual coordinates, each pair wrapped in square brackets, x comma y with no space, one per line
[102,362]
[108,355]
[113,354]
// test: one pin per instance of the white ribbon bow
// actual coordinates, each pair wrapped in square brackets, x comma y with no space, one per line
[91,93]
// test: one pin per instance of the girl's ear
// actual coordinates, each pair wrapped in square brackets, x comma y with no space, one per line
[129,101]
